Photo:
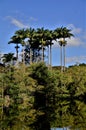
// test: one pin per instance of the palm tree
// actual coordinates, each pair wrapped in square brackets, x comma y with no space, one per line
[41,34]
[45,38]
[66,34]
[61,44]
[49,43]
[30,34]
[7,58]
[62,34]
[16,40]
[22,35]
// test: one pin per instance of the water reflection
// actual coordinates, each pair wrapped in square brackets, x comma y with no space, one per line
[69,115]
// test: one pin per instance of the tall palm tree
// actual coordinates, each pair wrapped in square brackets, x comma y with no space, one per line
[66,34]
[62,34]
[57,34]
[45,38]
[49,43]
[22,35]
[30,34]
[16,40]
[41,34]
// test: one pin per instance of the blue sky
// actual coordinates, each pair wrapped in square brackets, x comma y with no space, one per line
[17,14]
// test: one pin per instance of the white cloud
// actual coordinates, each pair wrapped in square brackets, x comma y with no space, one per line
[16,22]
[74,41]
[74,29]
[77,40]
[75,59]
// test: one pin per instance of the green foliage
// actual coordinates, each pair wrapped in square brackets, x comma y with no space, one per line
[35,96]
[37,42]
[77,86]
[8,58]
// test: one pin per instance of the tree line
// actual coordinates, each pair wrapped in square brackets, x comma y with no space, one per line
[34,43]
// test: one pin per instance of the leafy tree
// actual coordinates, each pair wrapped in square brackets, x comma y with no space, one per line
[43,95]
[77,85]
[34,96]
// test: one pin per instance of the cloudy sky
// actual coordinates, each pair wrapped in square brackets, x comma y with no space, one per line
[18,14]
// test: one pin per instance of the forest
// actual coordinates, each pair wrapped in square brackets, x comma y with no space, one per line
[35,95]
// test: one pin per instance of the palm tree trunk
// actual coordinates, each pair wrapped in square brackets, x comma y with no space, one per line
[23,56]
[17,54]
[42,53]
[61,57]
[50,55]
[64,57]
[30,55]
[17,51]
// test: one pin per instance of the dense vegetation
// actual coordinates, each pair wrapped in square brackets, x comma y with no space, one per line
[36,96]
[32,97]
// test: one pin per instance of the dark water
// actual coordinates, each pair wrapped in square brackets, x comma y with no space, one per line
[69,115]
